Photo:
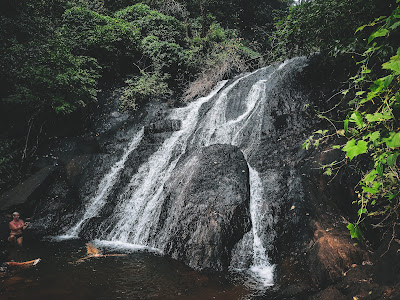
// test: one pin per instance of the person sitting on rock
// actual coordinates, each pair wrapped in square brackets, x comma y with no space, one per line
[17,226]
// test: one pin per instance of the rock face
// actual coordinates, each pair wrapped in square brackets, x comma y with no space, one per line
[331,255]
[206,211]
[23,192]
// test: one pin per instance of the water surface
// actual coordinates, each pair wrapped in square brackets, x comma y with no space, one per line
[138,275]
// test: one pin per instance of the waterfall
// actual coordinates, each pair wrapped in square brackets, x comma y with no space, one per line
[222,117]
[99,200]
[260,266]
[140,203]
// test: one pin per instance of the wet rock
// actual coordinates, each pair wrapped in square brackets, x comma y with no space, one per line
[54,206]
[163,126]
[76,166]
[88,145]
[21,193]
[330,293]
[206,211]
[387,265]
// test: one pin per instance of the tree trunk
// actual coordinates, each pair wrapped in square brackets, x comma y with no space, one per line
[203,10]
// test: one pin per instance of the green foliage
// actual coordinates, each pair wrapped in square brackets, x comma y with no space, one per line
[41,70]
[355,231]
[113,42]
[321,25]
[66,51]
[352,149]
[57,54]
[151,22]
[164,56]
[376,110]
[372,125]
[318,137]
[143,87]
[372,122]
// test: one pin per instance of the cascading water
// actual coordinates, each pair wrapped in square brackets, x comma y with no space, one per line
[105,186]
[223,117]
[140,203]
[260,265]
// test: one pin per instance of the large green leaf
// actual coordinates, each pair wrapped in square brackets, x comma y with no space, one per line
[357,118]
[373,136]
[393,141]
[378,117]
[355,231]
[393,64]
[391,160]
[378,33]
[352,149]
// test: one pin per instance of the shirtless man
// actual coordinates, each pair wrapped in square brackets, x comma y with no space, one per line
[17,226]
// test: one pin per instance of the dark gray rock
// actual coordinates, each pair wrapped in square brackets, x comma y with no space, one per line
[207,208]
[54,207]
[330,293]
[21,193]
[163,126]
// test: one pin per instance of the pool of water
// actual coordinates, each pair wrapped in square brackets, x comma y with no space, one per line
[138,275]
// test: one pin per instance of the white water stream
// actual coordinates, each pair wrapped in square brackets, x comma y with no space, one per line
[139,206]
[97,202]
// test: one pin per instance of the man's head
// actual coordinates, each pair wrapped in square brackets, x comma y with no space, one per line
[16,215]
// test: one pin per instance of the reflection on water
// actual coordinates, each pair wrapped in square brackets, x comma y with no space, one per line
[139,275]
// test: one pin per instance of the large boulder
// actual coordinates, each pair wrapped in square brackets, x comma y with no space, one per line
[23,192]
[206,211]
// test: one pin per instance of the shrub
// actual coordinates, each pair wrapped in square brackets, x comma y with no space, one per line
[113,42]
[225,59]
[139,88]
[151,22]
[321,25]
[164,56]
[50,77]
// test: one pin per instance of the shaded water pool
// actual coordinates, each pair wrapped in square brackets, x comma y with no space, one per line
[138,275]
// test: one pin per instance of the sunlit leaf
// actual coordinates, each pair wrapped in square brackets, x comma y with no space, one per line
[357,118]
[393,141]
[378,33]
[378,117]
[370,176]
[379,169]
[328,172]
[393,64]
[352,149]
[355,231]
[391,160]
